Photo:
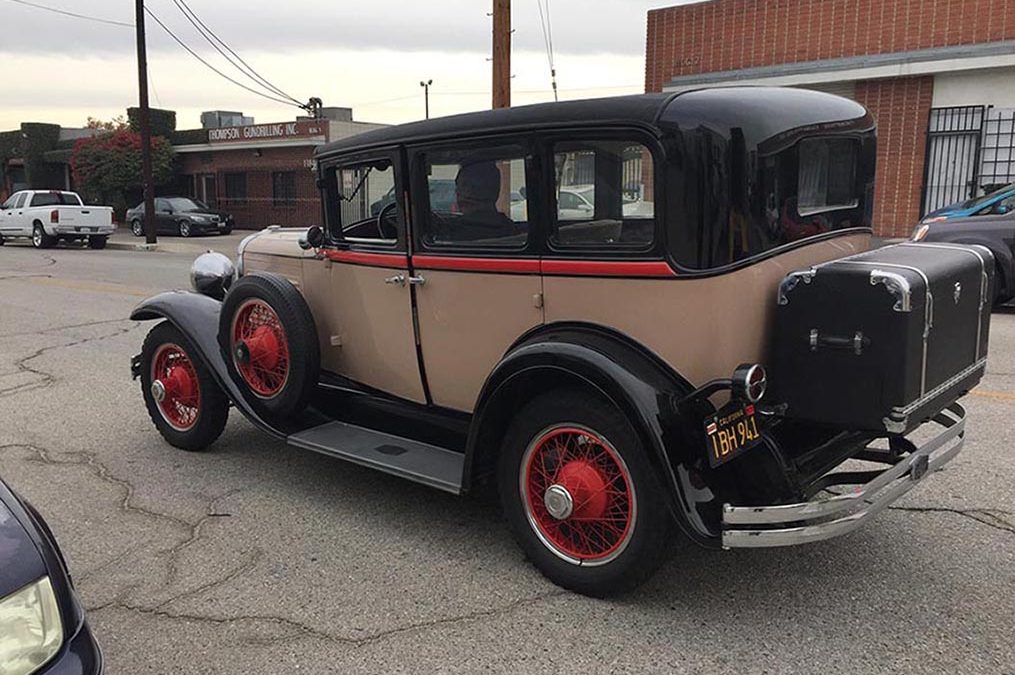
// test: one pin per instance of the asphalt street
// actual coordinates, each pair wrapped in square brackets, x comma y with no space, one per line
[258,558]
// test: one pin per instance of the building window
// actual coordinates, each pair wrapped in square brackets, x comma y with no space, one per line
[283,188]
[236,186]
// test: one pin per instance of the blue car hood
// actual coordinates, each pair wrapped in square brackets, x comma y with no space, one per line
[20,560]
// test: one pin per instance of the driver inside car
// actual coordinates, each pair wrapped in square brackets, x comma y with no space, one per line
[477,189]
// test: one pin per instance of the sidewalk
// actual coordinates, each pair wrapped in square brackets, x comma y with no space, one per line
[123,240]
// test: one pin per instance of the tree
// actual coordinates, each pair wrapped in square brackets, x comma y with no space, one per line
[118,123]
[107,167]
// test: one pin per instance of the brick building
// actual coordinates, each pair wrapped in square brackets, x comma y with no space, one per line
[939,76]
[261,173]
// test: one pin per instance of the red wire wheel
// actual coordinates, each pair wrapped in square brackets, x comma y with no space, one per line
[578,495]
[175,387]
[260,348]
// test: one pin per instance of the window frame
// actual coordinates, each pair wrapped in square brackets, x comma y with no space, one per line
[22,199]
[225,186]
[654,250]
[528,144]
[328,184]
[283,202]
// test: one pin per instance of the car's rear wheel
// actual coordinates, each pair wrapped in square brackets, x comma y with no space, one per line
[137,228]
[183,228]
[1002,292]
[97,242]
[39,237]
[580,495]
[268,330]
[183,399]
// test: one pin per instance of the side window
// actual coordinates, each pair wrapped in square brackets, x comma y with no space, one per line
[476,198]
[22,198]
[367,204]
[160,205]
[603,194]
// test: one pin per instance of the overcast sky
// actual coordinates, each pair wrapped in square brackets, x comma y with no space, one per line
[368,54]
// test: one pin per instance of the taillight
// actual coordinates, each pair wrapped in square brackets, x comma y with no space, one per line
[54,216]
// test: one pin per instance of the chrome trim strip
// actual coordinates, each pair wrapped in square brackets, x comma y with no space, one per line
[909,409]
[831,517]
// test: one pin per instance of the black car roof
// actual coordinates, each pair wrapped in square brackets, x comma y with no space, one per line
[766,111]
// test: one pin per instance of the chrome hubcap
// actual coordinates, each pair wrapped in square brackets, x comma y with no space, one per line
[158,391]
[558,501]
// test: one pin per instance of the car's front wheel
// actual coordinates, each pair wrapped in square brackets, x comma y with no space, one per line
[183,227]
[183,399]
[579,493]
[137,228]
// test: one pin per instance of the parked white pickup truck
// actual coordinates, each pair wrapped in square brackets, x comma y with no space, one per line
[47,216]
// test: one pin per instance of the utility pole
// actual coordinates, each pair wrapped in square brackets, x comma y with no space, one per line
[501,53]
[146,126]
[426,95]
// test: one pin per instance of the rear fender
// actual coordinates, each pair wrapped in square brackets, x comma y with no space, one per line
[626,374]
[197,317]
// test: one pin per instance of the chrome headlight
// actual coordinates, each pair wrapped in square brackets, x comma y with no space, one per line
[212,274]
[31,632]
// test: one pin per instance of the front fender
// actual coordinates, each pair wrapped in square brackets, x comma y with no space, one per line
[197,317]
[624,373]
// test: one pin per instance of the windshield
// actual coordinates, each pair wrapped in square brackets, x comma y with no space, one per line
[979,201]
[185,204]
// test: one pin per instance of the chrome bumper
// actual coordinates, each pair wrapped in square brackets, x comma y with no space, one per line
[789,524]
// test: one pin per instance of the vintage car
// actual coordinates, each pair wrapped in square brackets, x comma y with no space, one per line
[705,362]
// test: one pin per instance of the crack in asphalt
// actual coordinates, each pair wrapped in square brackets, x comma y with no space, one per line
[47,379]
[989,517]
[26,275]
[304,630]
[56,329]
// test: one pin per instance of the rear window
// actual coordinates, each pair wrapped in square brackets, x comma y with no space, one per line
[788,192]
[55,199]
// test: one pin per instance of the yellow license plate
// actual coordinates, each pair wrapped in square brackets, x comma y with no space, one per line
[730,432]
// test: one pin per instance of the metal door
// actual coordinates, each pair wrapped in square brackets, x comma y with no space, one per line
[953,155]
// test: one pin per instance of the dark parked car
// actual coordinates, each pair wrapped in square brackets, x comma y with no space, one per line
[995,230]
[42,624]
[996,202]
[182,216]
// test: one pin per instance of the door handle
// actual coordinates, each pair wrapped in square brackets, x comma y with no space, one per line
[398,279]
[417,281]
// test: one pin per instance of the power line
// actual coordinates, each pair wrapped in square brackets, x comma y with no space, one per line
[214,40]
[548,42]
[55,10]
[213,68]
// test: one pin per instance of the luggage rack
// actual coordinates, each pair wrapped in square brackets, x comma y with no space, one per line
[819,519]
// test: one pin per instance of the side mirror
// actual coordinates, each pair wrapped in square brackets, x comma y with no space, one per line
[314,238]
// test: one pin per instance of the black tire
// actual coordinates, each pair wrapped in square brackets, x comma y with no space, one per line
[287,390]
[184,229]
[213,405]
[1002,294]
[1,240]
[636,553]
[227,230]
[97,242]
[137,228]
[39,237]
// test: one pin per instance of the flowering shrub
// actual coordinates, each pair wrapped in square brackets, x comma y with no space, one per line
[109,165]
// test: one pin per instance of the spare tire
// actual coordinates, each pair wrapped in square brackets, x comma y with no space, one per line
[268,334]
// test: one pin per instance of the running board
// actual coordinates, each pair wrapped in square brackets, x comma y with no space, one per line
[419,462]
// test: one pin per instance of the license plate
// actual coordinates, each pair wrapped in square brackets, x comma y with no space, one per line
[730,432]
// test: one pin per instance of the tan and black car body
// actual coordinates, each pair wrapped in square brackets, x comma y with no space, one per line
[600,364]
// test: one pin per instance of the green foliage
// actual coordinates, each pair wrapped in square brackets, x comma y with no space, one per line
[118,123]
[107,166]
[37,139]
[163,121]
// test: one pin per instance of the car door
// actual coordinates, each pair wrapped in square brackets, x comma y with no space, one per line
[6,213]
[21,218]
[474,263]
[358,288]
[163,217]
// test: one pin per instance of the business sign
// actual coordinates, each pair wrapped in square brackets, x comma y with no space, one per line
[268,132]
